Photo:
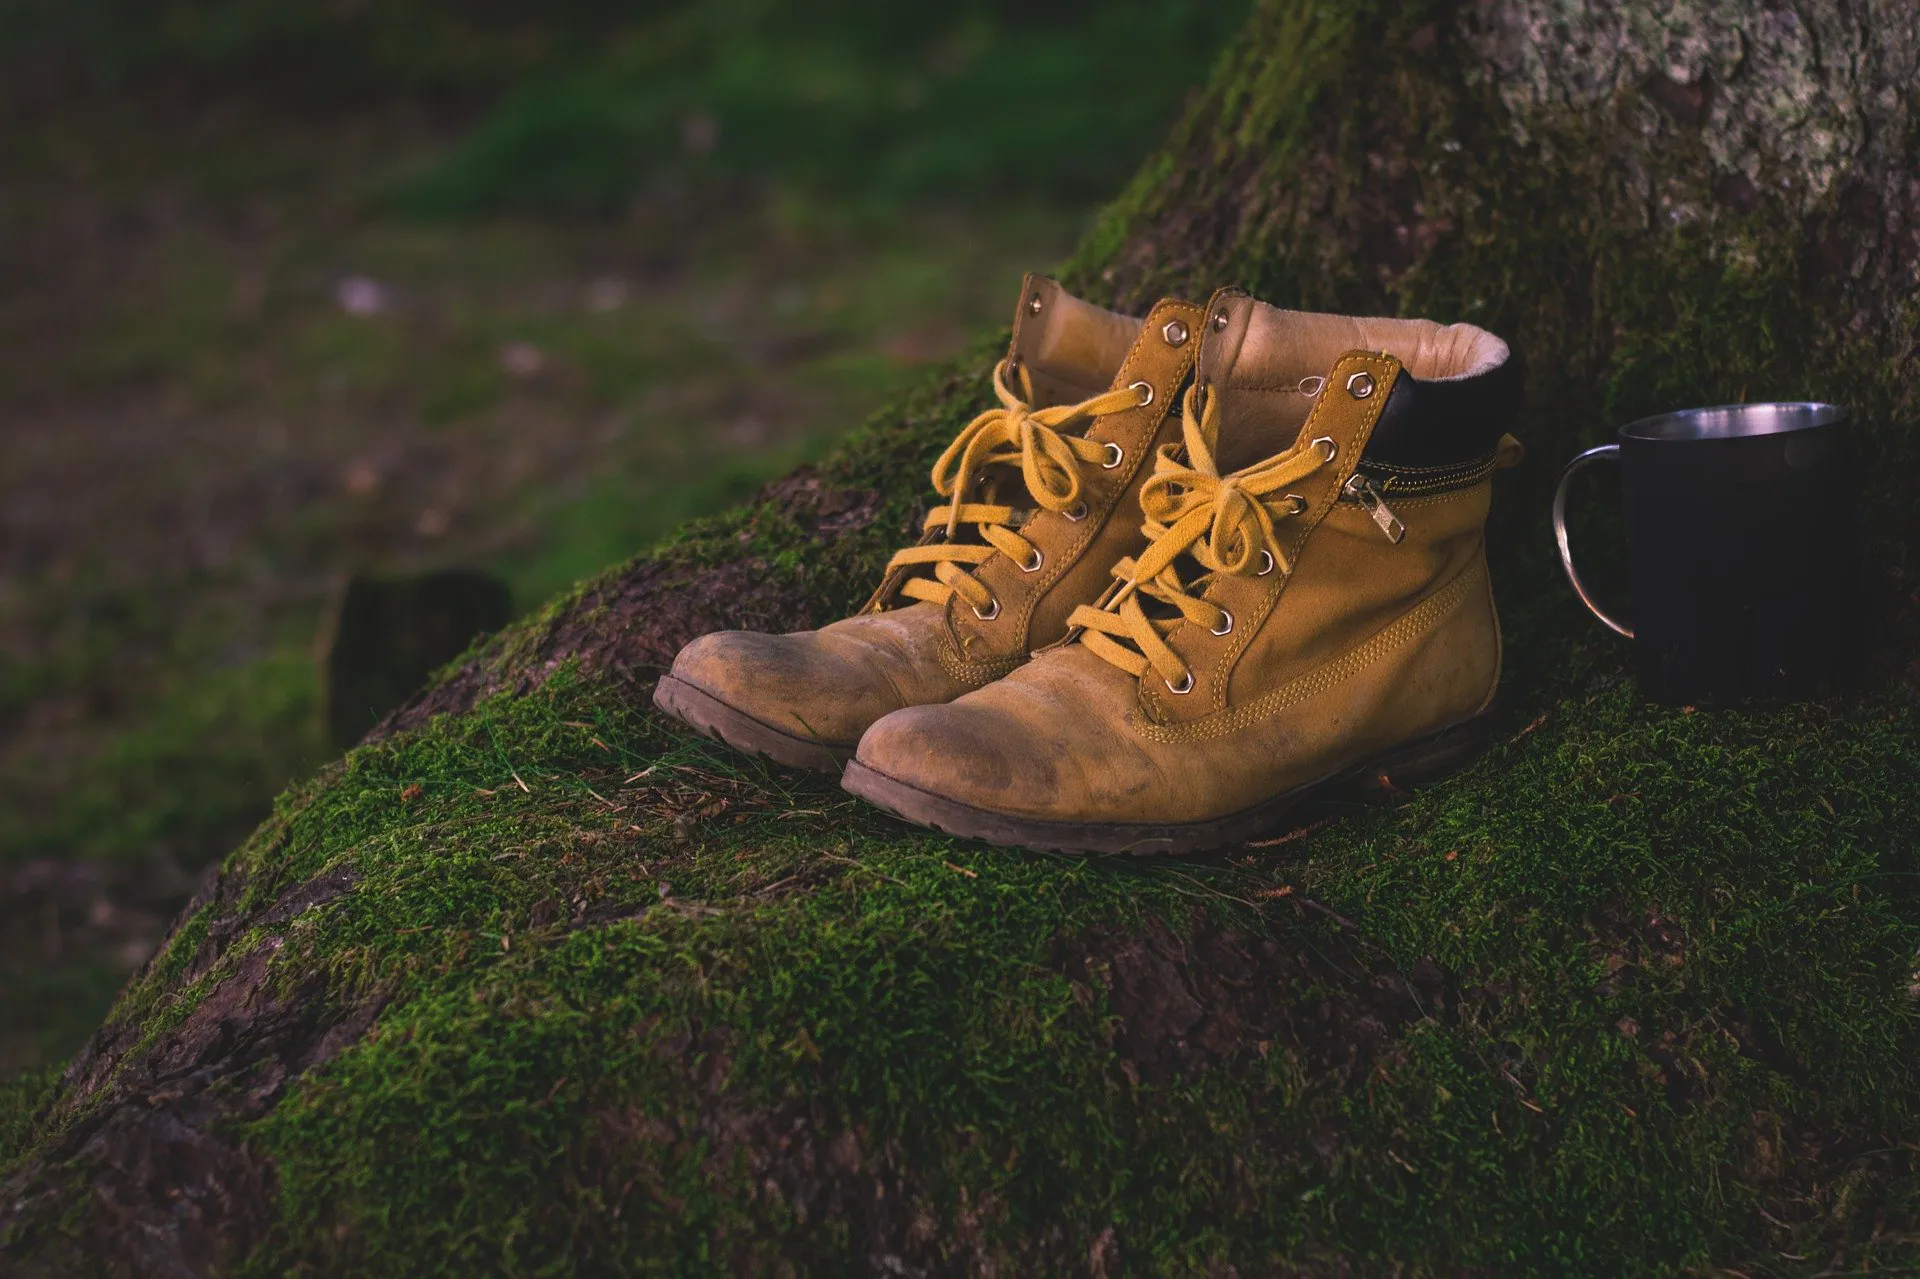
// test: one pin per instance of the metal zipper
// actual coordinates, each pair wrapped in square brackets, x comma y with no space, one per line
[1430,480]
[1371,481]
[1361,490]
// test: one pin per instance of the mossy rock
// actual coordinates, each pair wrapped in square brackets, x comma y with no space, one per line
[533,982]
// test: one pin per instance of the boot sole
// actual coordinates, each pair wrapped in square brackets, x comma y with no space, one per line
[711,717]
[1410,764]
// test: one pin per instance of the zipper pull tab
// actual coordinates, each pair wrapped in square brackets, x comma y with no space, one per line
[1361,490]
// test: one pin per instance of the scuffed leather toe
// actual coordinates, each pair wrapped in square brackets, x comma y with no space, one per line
[789,682]
[949,751]
[1021,746]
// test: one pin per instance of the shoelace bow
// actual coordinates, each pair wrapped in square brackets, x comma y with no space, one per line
[1050,463]
[1223,523]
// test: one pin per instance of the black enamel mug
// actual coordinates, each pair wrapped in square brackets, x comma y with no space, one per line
[1741,550]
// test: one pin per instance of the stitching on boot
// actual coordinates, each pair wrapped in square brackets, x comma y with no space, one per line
[1101,514]
[1404,629]
[975,674]
[1388,372]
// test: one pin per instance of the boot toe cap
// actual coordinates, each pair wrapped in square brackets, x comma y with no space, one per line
[969,755]
[783,681]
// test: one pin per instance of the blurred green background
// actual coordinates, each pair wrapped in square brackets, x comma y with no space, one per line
[299,289]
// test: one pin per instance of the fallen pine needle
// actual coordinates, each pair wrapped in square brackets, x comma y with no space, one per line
[642,773]
[1298,833]
[523,786]
[848,861]
[1528,729]
[602,745]
[1205,887]
[1269,894]
[602,798]
[1330,913]
[962,870]
[481,790]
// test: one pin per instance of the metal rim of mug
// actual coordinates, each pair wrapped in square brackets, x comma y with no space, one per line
[1734,421]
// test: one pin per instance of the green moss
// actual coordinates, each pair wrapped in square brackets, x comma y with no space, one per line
[1734,886]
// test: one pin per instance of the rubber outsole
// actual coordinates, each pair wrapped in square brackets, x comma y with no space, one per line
[1400,769]
[711,717]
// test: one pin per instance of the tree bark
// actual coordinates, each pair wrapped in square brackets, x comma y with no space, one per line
[1658,206]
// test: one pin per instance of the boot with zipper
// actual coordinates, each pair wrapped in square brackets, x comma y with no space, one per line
[1039,500]
[1311,611]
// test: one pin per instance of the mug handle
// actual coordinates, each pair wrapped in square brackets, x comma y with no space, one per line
[1608,452]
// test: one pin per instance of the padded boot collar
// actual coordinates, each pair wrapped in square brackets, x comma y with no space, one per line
[1440,422]
[1458,394]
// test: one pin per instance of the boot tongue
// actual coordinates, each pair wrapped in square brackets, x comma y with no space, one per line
[1269,365]
[1072,350]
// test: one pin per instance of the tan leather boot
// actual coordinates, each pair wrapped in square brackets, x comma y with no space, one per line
[1041,499]
[1313,607]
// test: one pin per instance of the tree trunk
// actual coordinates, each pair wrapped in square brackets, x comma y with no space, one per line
[532,982]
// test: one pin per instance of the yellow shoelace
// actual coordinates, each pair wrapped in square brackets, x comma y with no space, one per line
[1049,461]
[1225,524]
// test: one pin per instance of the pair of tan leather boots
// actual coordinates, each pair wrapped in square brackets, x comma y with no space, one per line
[1194,570]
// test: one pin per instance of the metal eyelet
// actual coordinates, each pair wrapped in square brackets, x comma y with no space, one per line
[1033,305]
[1319,384]
[1076,512]
[1146,392]
[1220,321]
[1033,565]
[1178,689]
[990,614]
[1115,456]
[1175,333]
[1297,504]
[1227,628]
[1266,563]
[1331,451]
[1360,385]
